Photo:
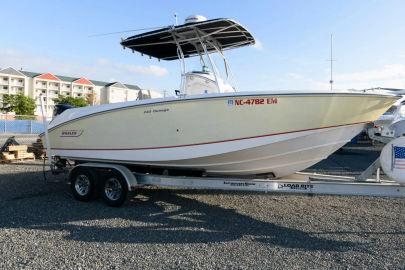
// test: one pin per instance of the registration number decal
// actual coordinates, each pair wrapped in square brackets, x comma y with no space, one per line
[252,101]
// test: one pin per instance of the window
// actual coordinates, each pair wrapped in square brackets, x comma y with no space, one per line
[68,86]
[43,91]
[20,81]
[79,95]
[68,94]
[5,79]
[43,83]
[5,87]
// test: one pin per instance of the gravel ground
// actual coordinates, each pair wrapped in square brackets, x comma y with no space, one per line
[43,227]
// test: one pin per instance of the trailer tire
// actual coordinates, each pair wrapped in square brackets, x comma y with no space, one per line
[114,189]
[83,183]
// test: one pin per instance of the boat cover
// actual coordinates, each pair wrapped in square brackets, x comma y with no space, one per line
[161,43]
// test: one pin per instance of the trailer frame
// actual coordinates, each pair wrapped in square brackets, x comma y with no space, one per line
[298,183]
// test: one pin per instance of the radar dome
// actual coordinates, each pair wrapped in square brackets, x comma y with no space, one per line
[195,18]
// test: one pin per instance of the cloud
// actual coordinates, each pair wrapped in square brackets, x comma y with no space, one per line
[258,45]
[133,69]
[100,69]
[386,73]
[392,75]
[295,76]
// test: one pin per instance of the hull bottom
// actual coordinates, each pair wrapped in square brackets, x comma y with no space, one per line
[279,155]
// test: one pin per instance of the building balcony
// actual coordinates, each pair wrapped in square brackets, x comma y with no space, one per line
[17,83]
[65,93]
[53,85]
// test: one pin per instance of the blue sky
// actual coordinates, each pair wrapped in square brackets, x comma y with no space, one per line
[369,41]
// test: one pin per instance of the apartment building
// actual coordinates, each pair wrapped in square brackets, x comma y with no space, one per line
[12,82]
[50,86]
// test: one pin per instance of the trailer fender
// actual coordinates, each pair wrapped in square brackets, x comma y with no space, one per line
[124,171]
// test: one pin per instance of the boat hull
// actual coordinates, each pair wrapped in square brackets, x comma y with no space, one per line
[223,135]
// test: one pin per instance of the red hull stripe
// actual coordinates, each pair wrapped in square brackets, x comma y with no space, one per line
[195,144]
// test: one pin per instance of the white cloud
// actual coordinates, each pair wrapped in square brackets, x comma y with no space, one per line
[150,70]
[102,61]
[386,73]
[134,69]
[295,76]
[386,76]
[101,68]
[258,45]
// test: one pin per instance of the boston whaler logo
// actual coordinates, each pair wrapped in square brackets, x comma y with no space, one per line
[71,133]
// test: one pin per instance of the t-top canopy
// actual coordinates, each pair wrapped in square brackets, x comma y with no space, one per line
[163,43]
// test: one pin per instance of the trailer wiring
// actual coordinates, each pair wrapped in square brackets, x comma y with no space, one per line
[63,170]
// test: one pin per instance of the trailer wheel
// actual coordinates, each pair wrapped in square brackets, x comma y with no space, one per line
[83,183]
[114,190]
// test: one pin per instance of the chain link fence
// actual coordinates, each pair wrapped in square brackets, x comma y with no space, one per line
[21,124]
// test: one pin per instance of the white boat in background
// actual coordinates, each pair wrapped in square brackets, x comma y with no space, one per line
[391,124]
[210,128]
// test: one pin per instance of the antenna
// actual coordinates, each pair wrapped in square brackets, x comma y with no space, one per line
[175,19]
[331,62]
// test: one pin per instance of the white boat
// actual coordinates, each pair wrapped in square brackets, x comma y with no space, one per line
[391,124]
[210,128]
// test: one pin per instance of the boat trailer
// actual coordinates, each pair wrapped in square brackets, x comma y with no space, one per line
[115,181]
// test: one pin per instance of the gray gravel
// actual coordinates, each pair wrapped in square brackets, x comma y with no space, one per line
[43,227]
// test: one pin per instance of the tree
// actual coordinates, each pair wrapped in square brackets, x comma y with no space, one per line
[91,98]
[20,104]
[74,101]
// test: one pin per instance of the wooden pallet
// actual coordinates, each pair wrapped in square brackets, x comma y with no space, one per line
[16,148]
[17,153]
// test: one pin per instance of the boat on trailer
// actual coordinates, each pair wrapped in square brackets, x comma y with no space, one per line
[223,138]
[209,127]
